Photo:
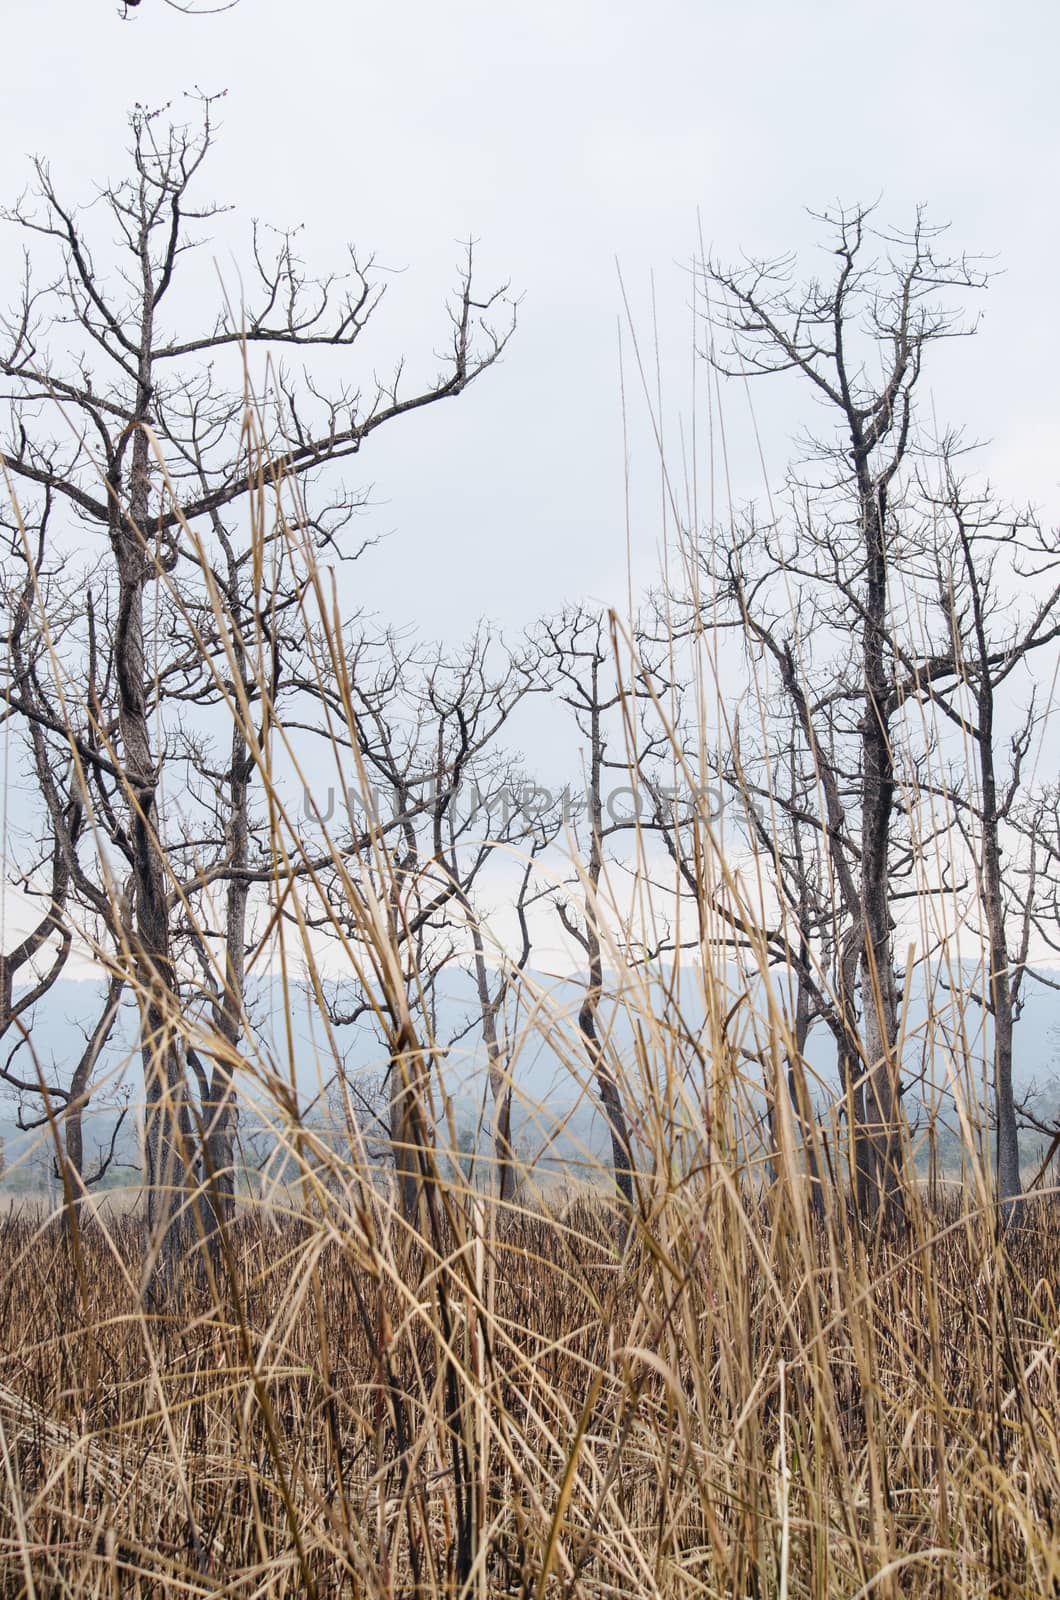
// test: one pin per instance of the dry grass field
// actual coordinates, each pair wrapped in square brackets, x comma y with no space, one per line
[707,1376]
[738,1402]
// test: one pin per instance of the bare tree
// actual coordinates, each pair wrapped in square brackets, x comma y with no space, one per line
[987,641]
[77,910]
[497,988]
[582,659]
[136,432]
[859,339]
[418,828]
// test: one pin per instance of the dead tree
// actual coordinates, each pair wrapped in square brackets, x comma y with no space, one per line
[79,911]
[581,659]
[414,832]
[859,339]
[535,830]
[988,638]
[136,431]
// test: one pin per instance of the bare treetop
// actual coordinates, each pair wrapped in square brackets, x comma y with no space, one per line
[857,334]
[125,368]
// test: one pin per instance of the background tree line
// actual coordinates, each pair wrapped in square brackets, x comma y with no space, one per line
[866,668]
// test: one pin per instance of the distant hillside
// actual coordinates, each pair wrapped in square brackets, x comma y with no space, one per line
[551,1111]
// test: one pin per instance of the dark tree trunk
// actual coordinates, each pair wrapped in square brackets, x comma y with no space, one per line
[166,1126]
[878,988]
[1000,998]
[610,1094]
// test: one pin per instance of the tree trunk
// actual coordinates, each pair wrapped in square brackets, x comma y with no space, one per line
[408,1126]
[166,1126]
[221,1112]
[610,1094]
[878,987]
[1009,1186]
[501,1090]
[798,1089]
[80,1089]
[500,1082]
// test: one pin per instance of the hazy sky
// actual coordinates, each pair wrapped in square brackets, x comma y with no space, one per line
[563,136]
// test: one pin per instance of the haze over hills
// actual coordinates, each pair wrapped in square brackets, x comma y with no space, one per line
[555,1119]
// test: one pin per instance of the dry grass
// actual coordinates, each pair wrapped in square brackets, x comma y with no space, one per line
[733,1406]
[734,1395]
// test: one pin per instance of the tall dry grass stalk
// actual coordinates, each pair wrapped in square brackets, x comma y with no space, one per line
[739,1390]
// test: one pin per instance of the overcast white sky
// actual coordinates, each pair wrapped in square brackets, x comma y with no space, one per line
[563,136]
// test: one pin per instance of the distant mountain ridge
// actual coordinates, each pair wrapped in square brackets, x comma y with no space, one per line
[542,1070]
